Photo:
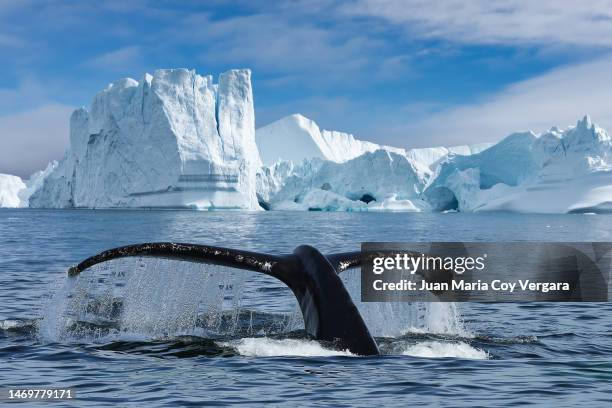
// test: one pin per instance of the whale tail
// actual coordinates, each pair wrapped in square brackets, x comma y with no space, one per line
[327,308]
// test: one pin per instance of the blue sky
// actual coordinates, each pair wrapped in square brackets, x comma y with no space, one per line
[408,73]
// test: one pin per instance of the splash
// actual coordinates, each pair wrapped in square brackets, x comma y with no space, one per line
[157,298]
[439,349]
[266,347]
[393,319]
[143,299]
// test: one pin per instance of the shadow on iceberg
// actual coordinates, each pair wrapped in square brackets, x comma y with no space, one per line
[442,199]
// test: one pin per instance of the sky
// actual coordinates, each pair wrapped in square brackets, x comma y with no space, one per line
[406,73]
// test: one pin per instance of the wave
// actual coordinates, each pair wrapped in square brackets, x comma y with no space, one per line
[438,349]
[267,347]
[287,344]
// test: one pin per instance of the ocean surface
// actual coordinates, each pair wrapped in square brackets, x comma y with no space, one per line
[141,332]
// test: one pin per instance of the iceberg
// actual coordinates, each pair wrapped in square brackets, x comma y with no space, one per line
[431,157]
[10,186]
[379,180]
[305,164]
[554,172]
[559,171]
[296,138]
[312,169]
[175,139]
[15,192]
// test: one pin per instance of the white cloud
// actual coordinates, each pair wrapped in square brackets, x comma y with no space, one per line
[280,44]
[548,22]
[559,97]
[29,92]
[30,139]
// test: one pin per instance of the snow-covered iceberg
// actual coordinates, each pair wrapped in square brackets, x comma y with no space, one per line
[174,139]
[15,192]
[379,180]
[431,157]
[10,186]
[295,138]
[314,169]
[558,171]
[555,172]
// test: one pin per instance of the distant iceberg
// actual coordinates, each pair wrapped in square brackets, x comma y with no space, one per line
[15,192]
[315,169]
[555,172]
[10,186]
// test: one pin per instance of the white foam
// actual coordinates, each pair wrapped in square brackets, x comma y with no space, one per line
[10,324]
[266,347]
[438,349]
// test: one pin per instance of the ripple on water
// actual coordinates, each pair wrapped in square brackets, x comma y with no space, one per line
[535,351]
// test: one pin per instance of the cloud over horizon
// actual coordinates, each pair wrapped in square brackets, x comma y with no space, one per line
[549,22]
[32,138]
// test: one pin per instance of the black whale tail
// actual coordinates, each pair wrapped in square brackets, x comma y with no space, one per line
[327,308]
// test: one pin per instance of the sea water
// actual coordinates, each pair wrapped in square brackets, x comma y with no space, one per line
[174,333]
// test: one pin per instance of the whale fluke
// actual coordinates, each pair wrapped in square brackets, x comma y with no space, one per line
[329,312]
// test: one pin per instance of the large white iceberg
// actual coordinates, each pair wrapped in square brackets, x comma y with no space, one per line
[174,139]
[313,169]
[555,172]
[10,186]
[558,171]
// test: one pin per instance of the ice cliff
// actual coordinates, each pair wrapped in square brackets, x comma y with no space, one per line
[174,139]
[554,172]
